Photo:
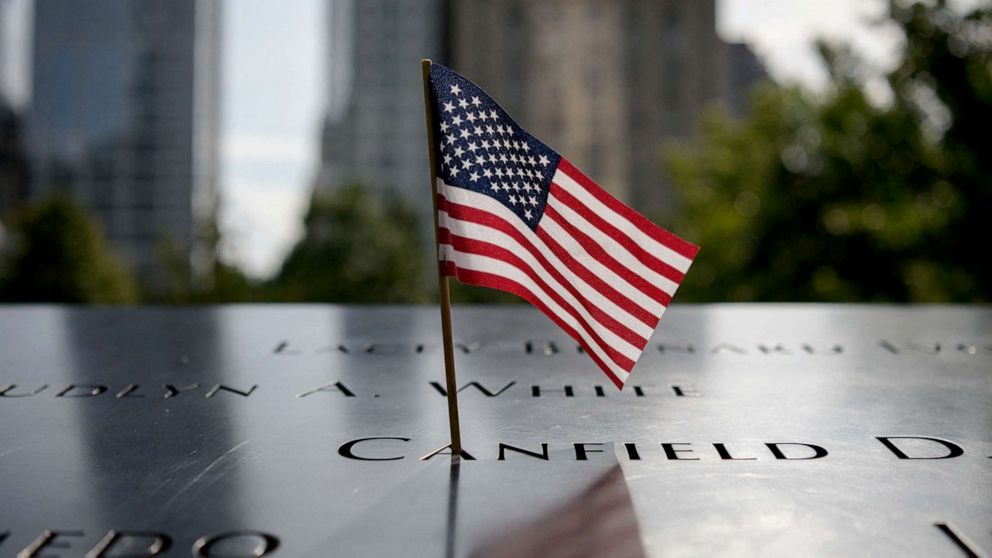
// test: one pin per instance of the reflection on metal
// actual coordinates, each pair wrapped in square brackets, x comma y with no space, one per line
[772,430]
[598,521]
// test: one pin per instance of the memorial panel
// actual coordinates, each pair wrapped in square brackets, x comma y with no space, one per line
[321,431]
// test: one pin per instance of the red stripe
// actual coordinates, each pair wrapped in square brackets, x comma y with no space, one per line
[475,246]
[596,251]
[642,255]
[483,279]
[683,247]
[485,218]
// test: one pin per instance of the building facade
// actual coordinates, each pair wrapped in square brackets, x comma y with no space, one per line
[374,131]
[124,118]
[605,82]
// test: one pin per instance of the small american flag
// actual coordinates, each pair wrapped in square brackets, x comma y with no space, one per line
[516,216]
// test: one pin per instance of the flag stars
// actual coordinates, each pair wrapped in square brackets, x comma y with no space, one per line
[484,150]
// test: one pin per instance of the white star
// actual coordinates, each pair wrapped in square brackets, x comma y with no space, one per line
[494,187]
[532,201]
[444,126]
[453,171]
[462,103]
[476,102]
[487,173]
[472,147]
[528,214]
[514,200]
[465,134]
[459,151]
[474,177]
[483,116]
[544,161]
[447,160]
[479,160]
[466,165]
[449,107]
[526,146]
[499,172]
[471,117]
[489,130]
[455,90]
[456,120]
[485,144]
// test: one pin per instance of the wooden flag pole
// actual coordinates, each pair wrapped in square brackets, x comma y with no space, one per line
[442,279]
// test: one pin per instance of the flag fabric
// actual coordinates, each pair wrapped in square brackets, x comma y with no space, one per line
[514,215]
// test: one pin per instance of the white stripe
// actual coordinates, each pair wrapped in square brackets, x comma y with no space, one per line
[468,229]
[586,291]
[485,203]
[485,264]
[652,246]
[612,247]
[585,259]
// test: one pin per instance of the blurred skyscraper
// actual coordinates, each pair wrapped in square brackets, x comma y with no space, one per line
[13,166]
[604,82]
[745,70]
[374,131]
[124,117]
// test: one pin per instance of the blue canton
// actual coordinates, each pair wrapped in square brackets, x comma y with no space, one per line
[483,150]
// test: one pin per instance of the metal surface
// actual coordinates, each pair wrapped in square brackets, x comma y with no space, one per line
[120,439]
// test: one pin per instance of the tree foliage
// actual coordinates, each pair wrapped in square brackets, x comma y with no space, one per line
[60,254]
[839,197]
[356,248]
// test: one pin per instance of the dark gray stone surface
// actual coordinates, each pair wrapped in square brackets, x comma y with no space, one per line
[90,442]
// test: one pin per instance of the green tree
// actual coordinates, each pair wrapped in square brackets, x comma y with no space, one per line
[837,197]
[60,254]
[356,248]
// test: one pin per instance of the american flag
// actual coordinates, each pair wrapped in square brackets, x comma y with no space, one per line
[514,215]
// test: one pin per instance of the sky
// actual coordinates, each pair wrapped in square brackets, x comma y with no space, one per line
[273,96]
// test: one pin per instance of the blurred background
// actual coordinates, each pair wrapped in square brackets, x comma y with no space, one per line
[196,151]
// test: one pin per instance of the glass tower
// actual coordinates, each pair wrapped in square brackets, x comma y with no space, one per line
[124,119]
